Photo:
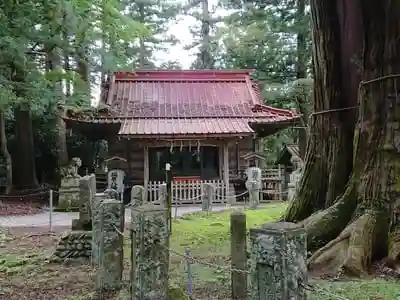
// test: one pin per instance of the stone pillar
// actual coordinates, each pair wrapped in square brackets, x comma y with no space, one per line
[254,194]
[162,196]
[93,185]
[68,198]
[150,253]
[110,267]
[137,195]
[208,196]
[239,255]
[96,227]
[84,222]
[278,256]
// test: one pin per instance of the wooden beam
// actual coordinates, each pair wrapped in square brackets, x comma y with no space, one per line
[225,151]
[146,169]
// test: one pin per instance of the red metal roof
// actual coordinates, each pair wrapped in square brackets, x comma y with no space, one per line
[190,102]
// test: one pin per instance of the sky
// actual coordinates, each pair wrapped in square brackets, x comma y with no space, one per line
[177,52]
[181,30]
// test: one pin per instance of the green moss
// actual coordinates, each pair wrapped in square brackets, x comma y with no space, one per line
[177,293]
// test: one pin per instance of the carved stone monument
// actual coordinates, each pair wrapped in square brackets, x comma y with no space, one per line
[253,185]
[115,181]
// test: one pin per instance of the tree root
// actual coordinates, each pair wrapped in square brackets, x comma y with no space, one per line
[351,251]
[326,225]
[394,245]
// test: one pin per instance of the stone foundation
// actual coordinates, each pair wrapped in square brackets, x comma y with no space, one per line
[69,193]
[75,244]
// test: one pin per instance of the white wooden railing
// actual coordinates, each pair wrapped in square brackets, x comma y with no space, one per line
[187,192]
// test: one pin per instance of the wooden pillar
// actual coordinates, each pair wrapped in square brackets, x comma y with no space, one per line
[146,169]
[225,151]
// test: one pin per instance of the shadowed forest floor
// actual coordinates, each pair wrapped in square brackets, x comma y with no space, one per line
[25,272]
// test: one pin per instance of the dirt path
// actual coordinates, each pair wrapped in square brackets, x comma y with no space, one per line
[65,219]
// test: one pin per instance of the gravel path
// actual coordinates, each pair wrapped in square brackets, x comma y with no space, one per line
[65,219]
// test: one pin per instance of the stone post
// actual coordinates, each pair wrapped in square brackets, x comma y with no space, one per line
[254,194]
[150,253]
[208,196]
[137,195]
[162,196]
[111,258]
[238,255]
[93,185]
[278,257]
[85,200]
[96,227]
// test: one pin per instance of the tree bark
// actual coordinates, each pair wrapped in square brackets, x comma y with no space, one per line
[301,73]
[329,150]
[363,223]
[24,175]
[4,153]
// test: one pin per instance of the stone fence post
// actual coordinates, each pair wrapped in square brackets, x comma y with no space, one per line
[238,255]
[150,253]
[278,262]
[162,195]
[111,256]
[254,193]
[207,196]
[96,227]
[137,195]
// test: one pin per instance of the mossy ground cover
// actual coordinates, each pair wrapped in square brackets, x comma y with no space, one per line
[25,272]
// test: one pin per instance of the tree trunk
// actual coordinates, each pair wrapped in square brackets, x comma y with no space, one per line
[363,224]
[329,150]
[54,64]
[206,58]
[301,72]
[5,155]
[24,175]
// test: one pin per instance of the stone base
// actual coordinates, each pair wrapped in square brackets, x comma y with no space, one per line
[78,225]
[76,244]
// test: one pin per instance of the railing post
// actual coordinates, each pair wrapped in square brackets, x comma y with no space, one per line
[278,257]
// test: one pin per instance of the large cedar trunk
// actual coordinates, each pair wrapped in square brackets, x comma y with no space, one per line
[329,150]
[53,63]
[301,72]
[363,223]
[4,153]
[24,175]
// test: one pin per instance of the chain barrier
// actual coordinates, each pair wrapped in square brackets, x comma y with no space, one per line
[231,196]
[188,199]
